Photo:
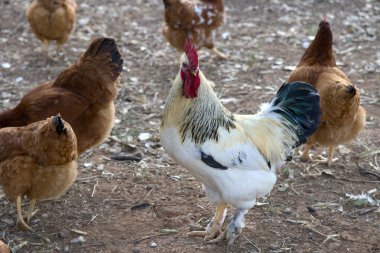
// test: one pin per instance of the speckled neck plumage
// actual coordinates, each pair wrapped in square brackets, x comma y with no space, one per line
[202,120]
[198,118]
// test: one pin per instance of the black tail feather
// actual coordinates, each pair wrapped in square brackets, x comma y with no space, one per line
[166,3]
[106,45]
[300,105]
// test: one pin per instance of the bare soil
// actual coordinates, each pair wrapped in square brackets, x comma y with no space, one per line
[147,206]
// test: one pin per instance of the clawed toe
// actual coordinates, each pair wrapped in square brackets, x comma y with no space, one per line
[325,160]
[23,226]
[209,234]
[220,237]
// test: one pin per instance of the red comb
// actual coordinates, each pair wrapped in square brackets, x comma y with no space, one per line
[191,53]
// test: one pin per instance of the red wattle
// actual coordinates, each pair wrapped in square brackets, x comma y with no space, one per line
[191,85]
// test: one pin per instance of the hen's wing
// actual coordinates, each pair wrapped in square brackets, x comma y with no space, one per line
[45,101]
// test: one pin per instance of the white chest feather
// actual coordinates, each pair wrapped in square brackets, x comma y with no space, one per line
[240,184]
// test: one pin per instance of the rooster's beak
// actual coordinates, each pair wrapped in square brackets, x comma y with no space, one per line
[194,73]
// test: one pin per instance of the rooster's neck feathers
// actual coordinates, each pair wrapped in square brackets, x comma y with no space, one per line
[202,121]
[199,118]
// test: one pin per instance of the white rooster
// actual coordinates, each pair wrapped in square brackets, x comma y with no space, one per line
[234,156]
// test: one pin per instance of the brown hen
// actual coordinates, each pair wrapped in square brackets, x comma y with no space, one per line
[37,160]
[342,116]
[193,19]
[83,94]
[52,20]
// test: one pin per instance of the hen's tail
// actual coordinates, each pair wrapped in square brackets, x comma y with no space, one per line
[298,105]
[105,49]
[166,3]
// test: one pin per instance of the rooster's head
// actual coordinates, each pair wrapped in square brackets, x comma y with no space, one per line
[190,70]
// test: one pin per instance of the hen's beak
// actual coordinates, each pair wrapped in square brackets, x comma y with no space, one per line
[194,73]
[59,124]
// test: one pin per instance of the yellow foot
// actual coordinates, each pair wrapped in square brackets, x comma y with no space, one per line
[209,234]
[214,228]
[220,237]
[20,220]
[28,217]
[23,226]
[325,160]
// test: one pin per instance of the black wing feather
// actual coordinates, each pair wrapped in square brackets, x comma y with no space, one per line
[210,161]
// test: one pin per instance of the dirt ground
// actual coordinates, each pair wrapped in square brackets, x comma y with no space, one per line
[147,206]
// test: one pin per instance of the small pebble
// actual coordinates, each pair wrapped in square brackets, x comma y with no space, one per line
[153,244]
[288,210]
[144,136]
[64,233]
[6,65]
[136,250]
[88,165]
[274,246]
[78,240]
[66,249]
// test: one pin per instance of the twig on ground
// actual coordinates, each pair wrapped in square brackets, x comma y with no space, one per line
[78,231]
[328,237]
[94,189]
[254,245]
[19,246]
[93,218]
[366,171]
[308,226]
[350,179]
[297,221]
[87,178]
[291,186]
[149,193]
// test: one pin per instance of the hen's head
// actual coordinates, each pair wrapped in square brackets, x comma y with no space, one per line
[56,141]
[324,26]
[320,51]
[190,70]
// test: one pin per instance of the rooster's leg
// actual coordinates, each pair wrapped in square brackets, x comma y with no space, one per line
[214,228]
[30,210]
[219,54]
[234,228]
[20,220]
